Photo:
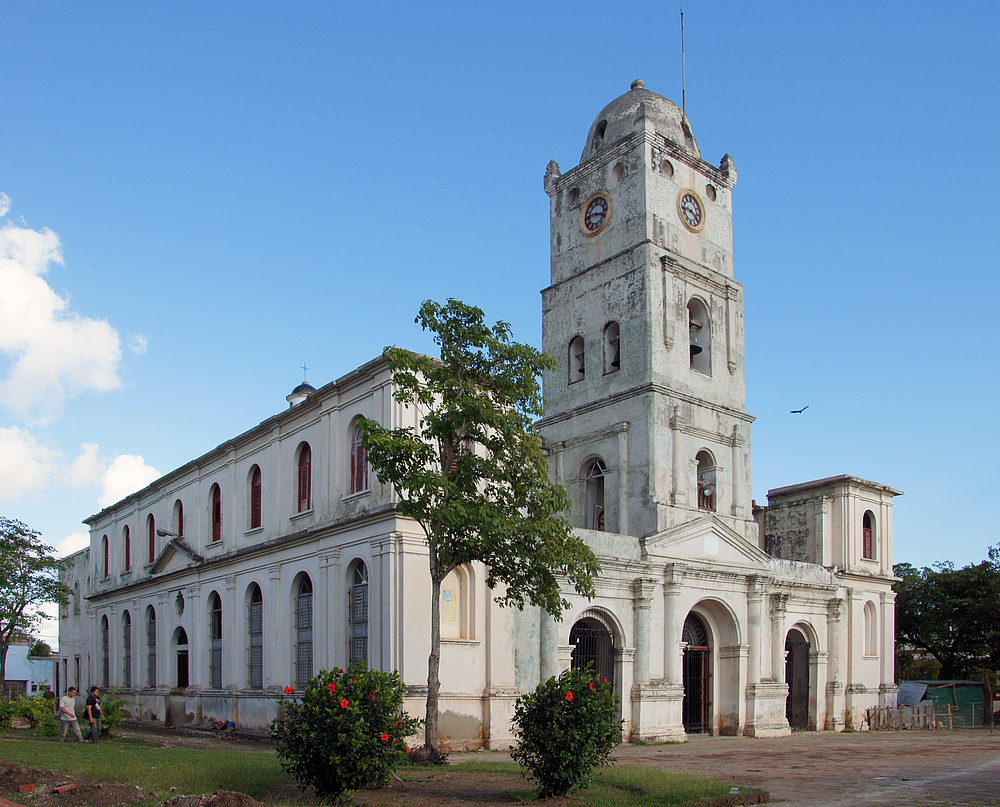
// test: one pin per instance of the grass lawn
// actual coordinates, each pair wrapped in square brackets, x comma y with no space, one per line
[156,769]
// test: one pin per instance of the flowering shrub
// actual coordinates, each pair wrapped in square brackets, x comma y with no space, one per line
[564,729]
[346,731]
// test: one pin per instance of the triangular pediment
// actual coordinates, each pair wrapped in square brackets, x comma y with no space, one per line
[175,555]
[708,538]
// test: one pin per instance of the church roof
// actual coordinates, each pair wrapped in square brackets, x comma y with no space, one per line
[617,121]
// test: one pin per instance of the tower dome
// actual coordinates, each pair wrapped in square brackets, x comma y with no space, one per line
[300,393]
[617,120]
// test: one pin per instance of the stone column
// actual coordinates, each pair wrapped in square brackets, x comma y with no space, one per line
[623,479]
[779,604]
[329,613]
[197,639]
[548,637]
[164,671]
[678,466]
[737,476]
[673,624]
[835,666]
[277,655]
[642,600]
[232,673]
[755,627]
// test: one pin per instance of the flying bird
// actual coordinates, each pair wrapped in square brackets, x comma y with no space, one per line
[799,411]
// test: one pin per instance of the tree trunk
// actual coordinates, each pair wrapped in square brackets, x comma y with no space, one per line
[434,660]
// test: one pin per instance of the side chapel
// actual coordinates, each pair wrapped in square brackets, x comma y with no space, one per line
[205,594]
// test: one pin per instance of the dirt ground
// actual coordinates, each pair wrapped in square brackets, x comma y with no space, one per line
[868,769]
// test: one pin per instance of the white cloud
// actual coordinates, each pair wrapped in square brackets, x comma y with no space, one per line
[73,542]
[87,469]
[54,352]
[26,466]
[137,344]
[126,474]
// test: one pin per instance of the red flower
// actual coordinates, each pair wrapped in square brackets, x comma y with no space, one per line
[332,687]
[569,696]
[605,680]
[289,690]
[373,694]
[384,737]
[343,703]
[590,684]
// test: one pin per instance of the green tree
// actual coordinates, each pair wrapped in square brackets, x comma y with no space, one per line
[39,649]
[953,614]
[29,577]
[472,472]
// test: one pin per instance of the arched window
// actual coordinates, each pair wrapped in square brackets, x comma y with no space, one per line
[127,649]
[594,516]
[127,541]
[215,640]
[612,348]
[104,555]
[105,654]
[706,481]
[303,632]
[179,517]
[699,336]
[359,462]
[255,497]
[358,606]
[577,360]
[305,477]
[593,647]
[255,624]
[456,604]
[871,630]
[151,537]
[868,536]
[150,647]
[216,513]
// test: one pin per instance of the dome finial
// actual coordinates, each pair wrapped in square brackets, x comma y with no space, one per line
[638,84]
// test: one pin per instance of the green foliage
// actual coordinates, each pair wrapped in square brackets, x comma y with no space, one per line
[29,577]
[951,614]
[112,707]
[40,649]
[564,729]
[346,731]
[472,472]
[36,710]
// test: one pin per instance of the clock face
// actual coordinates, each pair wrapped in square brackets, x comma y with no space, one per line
[595,214]
[691,210]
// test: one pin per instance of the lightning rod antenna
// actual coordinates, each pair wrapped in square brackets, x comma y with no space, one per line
[683,72]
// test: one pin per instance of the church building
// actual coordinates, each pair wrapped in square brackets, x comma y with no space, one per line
[205,594]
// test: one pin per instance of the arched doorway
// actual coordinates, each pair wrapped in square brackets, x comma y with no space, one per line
[181,641]
[593,643]
[797,678]
[696,674]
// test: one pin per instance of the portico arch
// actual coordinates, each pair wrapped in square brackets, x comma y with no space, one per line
[712,669]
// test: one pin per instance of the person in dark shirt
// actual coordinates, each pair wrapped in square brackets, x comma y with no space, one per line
[94,714]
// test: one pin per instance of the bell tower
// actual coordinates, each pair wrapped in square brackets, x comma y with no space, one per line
[646,417]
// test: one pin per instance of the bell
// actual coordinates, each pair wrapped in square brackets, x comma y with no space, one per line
[695,349]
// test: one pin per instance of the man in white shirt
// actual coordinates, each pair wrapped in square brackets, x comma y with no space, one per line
[67,715]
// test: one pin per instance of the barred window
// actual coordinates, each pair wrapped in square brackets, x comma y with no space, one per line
[215,639]
[255,619]
[105,654]
[304,632]
[127,649]
[305,477]
[359,614]
[150,647]
[255,498]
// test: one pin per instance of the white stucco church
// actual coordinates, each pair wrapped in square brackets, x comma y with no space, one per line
[277,554]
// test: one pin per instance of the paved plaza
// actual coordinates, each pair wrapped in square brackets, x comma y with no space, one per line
[960,767]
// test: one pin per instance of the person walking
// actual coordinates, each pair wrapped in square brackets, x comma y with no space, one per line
[67,715]
[94,714]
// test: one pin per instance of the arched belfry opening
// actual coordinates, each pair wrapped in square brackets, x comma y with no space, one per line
[797,678]
[696,675]
[594,504]
[593,644]
[699,336]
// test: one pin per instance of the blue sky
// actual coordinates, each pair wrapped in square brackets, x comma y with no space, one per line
[199,197]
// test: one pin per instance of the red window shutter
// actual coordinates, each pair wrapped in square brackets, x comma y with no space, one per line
[128,551]
[152,539]
[216,514]
[305,479]
[255,500]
